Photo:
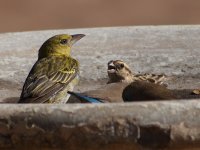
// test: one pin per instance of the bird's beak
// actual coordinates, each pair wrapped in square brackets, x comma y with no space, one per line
[76,37]
[111,67]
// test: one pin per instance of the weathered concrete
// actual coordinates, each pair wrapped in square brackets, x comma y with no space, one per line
[130,126]
[173,50]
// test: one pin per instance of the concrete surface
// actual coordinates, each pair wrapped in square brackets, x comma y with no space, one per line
[129,126]
[173,50]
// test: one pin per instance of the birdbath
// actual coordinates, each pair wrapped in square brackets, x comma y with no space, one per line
[172,50]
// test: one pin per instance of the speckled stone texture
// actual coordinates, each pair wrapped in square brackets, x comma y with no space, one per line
[173,50]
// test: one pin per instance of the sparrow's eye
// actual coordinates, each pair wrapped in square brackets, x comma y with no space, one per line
[122,65]
[63,41]
[119,66]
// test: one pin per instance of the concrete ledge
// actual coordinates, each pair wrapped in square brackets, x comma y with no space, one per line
[153,125]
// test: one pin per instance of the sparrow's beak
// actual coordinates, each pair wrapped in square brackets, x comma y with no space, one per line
[76,37]
[111,67]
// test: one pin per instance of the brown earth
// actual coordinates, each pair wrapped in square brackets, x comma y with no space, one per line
[24,15]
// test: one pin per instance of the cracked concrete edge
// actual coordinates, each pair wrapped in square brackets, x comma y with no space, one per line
[152,125]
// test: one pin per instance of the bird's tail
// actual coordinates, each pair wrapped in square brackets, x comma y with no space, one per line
[85,98]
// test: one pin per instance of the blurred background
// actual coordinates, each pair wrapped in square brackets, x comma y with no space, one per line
[25,15]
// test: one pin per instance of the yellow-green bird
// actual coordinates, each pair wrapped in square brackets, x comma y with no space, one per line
[54,73]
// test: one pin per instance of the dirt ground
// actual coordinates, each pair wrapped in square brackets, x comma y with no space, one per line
[23,15]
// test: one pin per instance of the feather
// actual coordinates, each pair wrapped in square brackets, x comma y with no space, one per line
[85,98]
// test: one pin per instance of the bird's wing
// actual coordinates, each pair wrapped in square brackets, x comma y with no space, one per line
[153,78]
[47,78]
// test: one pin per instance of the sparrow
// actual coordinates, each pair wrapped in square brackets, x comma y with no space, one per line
[119,71]
[120,76]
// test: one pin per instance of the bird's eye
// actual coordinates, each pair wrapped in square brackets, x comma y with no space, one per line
[122,65]
[63,41]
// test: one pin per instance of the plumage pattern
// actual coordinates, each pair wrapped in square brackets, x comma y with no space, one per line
[152,78]
[53,74]
[119,71]
[49,75]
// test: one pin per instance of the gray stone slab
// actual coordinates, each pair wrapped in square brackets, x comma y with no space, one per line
[173,50]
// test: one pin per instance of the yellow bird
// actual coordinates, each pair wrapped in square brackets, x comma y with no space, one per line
[54,73]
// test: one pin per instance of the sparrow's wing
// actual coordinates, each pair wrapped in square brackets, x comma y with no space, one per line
[153,78]
[47,78]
